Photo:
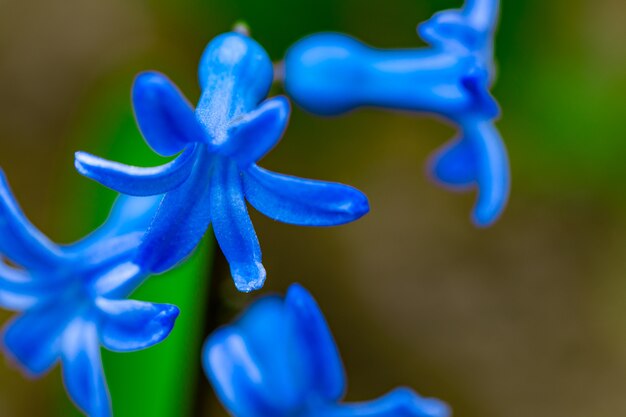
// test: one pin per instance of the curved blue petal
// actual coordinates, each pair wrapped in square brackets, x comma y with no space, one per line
[105,253]
[478,159]
[82,369]
[301,201]
[19,239]
[253,135]
[454,165]
[450,30]
[136,181]
[401,402]
[129,214]
[128,325]
[493,173]
[234,372]
[180,222]
[164,116]
[314,341]
[233,228]
[33,339]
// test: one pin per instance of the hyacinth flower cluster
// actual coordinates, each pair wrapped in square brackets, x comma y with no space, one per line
[232,127]
[72,299]
[279,359]
[330,74]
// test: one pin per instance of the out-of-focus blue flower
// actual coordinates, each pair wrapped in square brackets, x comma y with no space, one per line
[280,360]
[329,74]
[216,172]
[72,299]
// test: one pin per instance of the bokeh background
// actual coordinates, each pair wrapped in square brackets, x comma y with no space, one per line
[525,318]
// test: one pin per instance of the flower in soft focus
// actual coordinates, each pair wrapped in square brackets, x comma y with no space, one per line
[329,74]
[280,360]
[216,172]
[72,299]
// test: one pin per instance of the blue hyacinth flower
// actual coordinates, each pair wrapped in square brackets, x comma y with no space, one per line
[279,359]
[72,299]
[329,74]
[232,127]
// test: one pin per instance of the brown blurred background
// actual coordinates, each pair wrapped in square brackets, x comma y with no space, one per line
[525,318]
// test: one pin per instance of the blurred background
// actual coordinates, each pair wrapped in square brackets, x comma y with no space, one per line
[525,318]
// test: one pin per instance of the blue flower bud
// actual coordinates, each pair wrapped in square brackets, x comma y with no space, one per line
[279,359]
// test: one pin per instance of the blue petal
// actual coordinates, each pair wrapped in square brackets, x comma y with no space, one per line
[235,376]
[105,253]
[253,135]
[267,330]
[130,325]
[303,202]
[401,402]
[133,180]
[493,173]
[454,165]
[482,14]
[180,222]
[19,239]
[119,281]
[164,116]
[477,159]
[233,229]
[314,342]
[129,214]
[82,369]
[33,339]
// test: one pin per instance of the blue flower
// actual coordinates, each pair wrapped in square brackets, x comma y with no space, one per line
[72,299]
[216,172]
[329,74]
[280,360]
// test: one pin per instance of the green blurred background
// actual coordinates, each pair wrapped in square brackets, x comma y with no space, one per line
[526,318]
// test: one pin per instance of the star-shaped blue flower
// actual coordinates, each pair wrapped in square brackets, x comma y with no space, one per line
[279,359]
[216,171]
[329,74]
[72,299]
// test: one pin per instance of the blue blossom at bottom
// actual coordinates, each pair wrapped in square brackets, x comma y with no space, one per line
[72,299]
[330,73]
[279,359]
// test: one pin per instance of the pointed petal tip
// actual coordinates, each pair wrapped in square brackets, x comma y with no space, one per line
[149,77]
[297,295]
[484,218]
[248,277]
[80,159]
[296,290]
[149,85]
[407,402]
[168,316]
[360,206]
[434,408]
[15,361]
